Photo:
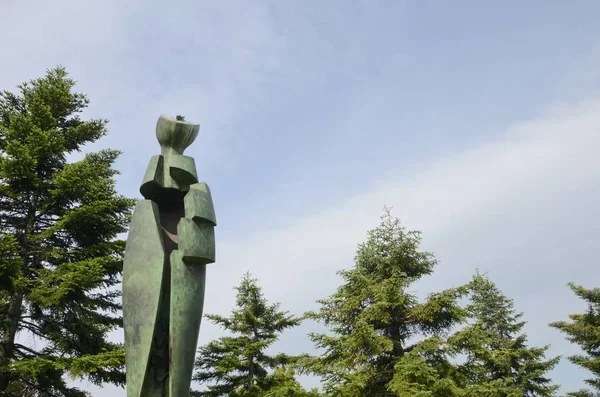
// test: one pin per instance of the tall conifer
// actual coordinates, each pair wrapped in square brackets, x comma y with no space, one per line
[238,364]
[499,363]
[375,319]
[59,257]
[583,329]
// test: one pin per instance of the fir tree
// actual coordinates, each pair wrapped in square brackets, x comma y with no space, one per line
[584,330]
[428,370]
[238,365]
[498,361]
[374,319]
[283,383]
[58,255]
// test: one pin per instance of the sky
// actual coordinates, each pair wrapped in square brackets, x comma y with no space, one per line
[478,122]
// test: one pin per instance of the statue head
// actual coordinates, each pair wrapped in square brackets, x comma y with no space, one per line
[175,134]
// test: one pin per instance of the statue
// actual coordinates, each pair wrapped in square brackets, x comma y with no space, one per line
[170,242]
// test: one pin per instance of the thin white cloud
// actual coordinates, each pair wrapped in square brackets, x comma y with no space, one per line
[543,157]
[208,61]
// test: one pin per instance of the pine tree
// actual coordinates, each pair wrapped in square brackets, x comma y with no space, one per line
[374,319]
[498,361]
[584,330]
[59,259]
[238,365]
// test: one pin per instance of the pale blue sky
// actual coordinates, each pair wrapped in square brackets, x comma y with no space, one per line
[478,121]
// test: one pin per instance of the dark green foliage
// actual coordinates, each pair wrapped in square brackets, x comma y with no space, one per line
[584,330]
[498,360]
[427,370]
[375,320]
[59,257]
[284,384]
[238,365]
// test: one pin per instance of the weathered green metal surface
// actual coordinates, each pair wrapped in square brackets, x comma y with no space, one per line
[183,170]
[169,244]
[174,135]
[153,179]
[196,241]
[143,276]
[187,302]
[199,204]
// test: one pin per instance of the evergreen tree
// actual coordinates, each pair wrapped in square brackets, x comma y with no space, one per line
[58,255]
[498,361]
[374,319]
[284,384]
[238,365]
[584,330]
[428,370]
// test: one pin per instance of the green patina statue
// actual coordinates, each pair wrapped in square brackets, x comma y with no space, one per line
[170,242]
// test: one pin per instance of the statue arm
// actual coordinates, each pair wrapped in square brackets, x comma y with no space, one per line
[196,230]
[196,248]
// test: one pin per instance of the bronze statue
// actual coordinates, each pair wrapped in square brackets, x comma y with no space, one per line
[170,242]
